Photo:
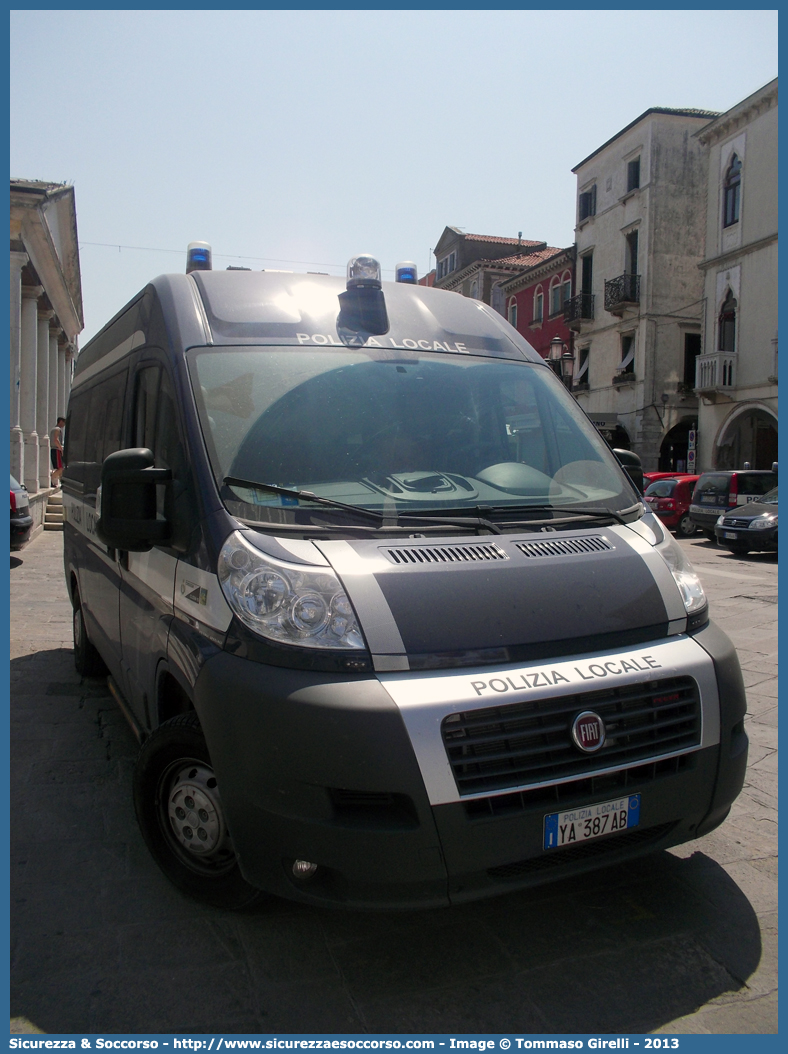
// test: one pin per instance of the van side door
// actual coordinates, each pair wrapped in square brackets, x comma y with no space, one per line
[94,429]
[148,578]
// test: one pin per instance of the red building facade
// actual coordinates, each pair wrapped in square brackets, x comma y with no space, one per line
[534,299]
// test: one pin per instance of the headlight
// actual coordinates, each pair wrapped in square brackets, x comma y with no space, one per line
[720,519]
[686,579]
[763,522]
[291,603]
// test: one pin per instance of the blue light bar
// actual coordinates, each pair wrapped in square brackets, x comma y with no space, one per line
[406,272]
[198,257]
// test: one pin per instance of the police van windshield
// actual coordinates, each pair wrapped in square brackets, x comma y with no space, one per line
[399,432]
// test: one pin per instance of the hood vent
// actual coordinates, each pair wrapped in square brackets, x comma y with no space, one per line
[445,554]
[564,547]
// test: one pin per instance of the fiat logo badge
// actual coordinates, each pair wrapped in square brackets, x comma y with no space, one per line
[588,732]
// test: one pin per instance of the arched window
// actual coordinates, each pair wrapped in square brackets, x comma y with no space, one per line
[731,193]
[556,297]
[727,326]
[567,282]
[513,312]
[538,305]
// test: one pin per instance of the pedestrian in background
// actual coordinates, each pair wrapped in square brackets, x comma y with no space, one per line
[56,451]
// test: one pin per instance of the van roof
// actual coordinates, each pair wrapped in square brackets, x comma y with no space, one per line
[282,308]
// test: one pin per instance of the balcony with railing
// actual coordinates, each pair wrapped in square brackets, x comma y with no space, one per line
[622,292]
[716,372]
[579,309]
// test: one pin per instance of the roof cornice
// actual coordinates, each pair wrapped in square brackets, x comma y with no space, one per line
[541,270]
[738,116]
[654,111]
[457,277]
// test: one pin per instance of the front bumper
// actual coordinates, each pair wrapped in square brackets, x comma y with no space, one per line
[21,526]
[756,541]
[322,767]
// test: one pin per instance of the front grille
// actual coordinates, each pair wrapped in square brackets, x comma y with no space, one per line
[577,792]
[530,742]
[732,521]
[564,546]
[444,554]
[561,857]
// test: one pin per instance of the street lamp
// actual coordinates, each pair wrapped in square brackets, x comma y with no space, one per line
[562,361]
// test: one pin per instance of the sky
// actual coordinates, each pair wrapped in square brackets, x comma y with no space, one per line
[297,139]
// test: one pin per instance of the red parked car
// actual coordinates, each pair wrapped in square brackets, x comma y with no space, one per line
[652,477]
[670,499]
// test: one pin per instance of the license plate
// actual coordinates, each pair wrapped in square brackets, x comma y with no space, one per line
[591,821]
[730,534]
[708,499]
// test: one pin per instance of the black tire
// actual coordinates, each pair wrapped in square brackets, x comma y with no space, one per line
[87,660]
[711,536]
[173,785]
[685,527]
[738,550]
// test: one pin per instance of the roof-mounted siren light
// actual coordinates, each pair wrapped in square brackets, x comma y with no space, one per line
[407,272]
[363,272]
[198,257]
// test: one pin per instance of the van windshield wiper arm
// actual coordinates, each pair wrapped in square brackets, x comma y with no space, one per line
[380,518]
[564,512]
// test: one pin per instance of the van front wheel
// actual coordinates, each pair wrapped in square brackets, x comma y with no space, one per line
[180,814]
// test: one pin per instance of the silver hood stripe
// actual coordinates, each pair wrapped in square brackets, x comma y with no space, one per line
[660,572]
[374,614]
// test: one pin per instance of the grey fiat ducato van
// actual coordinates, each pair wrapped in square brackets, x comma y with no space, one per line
[391,624]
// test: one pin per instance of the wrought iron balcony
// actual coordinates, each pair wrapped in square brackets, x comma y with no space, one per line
[579,309]
[622,292]
[716,372]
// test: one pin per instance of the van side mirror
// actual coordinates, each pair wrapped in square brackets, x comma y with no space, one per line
[126,503]
[632,465]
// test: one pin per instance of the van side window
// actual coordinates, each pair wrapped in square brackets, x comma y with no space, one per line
[94,427]
[156,419]
[146,397]
[156,427]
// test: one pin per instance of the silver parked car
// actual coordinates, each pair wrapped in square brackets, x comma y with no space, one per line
[21,520]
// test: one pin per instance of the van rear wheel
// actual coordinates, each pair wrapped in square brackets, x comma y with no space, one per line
[181,816]
[87,660]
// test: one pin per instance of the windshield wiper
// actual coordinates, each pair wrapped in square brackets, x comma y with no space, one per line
[382,519]
[566,513]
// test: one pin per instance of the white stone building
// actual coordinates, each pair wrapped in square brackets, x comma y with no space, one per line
[46,317]
[637,307]
[737,370]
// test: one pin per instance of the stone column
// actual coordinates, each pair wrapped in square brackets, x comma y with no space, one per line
[71,355]
[52,414]
[18,261]
[62,372]
[27,384]
[43,426]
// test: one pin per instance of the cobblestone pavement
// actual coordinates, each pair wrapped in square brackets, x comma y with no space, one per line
[682,941]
